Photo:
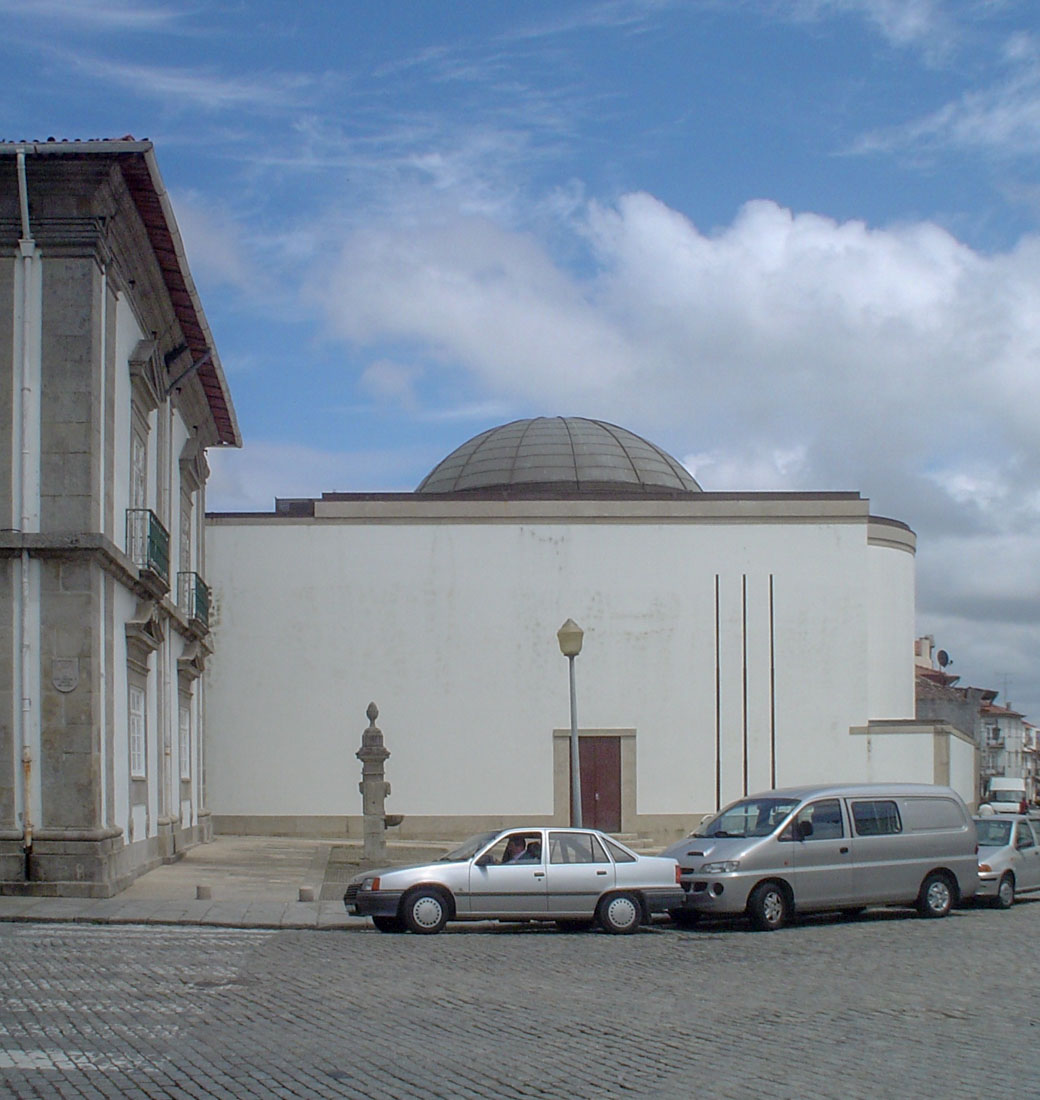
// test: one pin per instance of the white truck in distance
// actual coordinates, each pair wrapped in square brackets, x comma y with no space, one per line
[1004,794]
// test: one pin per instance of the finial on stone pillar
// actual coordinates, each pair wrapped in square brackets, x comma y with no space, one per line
[374,789]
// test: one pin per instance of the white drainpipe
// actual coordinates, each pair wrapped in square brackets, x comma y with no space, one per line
[22,502]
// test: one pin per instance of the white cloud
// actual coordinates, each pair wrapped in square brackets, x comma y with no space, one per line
[103,15]
[783,351]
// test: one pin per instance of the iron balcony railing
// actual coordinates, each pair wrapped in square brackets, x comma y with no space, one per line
[148,542]
[193,597]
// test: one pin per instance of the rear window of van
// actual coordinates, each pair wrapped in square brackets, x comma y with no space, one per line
[922,814]
[876,817]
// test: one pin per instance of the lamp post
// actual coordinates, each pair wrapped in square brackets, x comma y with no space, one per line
[569,636]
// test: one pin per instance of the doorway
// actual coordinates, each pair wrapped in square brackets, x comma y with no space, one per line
[600,762]
[607,758]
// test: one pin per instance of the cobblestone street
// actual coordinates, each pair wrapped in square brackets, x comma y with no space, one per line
[885,1006]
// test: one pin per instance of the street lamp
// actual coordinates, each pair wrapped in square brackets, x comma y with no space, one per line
[569,636]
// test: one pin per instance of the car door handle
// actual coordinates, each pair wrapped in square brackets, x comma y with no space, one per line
[539,874]
[844,851]
[601,872]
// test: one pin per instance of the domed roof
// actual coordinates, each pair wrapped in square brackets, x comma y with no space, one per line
[558,454]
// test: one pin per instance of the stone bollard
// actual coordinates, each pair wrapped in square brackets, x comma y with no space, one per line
[374,789]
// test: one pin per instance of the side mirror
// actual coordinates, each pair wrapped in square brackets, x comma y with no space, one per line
[804,829]
[484,860]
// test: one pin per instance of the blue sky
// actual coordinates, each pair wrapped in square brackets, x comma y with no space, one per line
[795,243]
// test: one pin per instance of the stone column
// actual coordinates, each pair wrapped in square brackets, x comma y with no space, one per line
[374,789]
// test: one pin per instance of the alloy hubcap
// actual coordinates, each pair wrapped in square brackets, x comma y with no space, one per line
[773,907]
[938,896]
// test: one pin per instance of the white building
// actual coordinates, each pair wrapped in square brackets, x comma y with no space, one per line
[733,642]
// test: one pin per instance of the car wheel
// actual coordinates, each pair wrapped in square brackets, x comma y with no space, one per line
[619,914]
[388,924]
[574,925]
[425,911]
[936,897]
[768,907]
[684,918]
[1005,891]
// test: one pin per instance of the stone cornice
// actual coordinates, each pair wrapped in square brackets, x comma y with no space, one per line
[109,558]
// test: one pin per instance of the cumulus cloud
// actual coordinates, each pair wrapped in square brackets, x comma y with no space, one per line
[783,351]
[859,350]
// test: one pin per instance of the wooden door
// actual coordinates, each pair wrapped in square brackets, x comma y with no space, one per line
[600,761]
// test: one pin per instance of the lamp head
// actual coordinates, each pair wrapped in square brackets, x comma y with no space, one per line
[569,636]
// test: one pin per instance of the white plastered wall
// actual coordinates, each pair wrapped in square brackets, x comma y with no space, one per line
[450,628]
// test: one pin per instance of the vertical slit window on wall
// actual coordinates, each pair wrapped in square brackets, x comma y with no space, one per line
[744,686]
[772,688]
[718,702]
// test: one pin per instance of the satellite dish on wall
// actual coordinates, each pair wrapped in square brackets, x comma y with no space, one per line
[943,658]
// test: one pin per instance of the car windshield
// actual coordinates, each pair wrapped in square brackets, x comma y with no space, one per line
[468,849]
[993,834]
[1007,796]
[751,817]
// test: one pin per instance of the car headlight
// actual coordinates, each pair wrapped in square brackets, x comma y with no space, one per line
[370,883]
[985,867]
[720,868]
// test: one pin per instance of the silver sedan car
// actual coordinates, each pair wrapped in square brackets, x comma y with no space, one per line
[1009,857]
[576,877]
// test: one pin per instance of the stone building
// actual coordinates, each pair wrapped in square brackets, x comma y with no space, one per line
[110,392]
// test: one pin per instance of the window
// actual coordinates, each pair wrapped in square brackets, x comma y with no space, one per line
[823,820]
[575,848]
[137,732]
[922,814]
[1025,836]
[184,745]
[619,853]
[878,817]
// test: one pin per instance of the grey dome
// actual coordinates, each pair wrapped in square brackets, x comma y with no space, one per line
[563,454]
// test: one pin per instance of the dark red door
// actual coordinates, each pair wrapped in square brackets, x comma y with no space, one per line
[600,759]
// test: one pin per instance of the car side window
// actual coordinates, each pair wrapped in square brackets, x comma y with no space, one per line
[821,820]
[876,817]
[575,848]
[1025,836]
[619,853]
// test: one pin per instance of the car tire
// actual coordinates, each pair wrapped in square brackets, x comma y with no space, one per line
[768,907]
[425,911]
[936,898]
[389,924]
[684,918]
[620,914]
[1005,891]
[574,925]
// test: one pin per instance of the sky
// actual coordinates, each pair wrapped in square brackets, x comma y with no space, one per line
[796,243]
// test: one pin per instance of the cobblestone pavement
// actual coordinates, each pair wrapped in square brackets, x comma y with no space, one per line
[885,1006]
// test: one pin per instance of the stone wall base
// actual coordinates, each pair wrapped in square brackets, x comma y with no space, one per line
[661,828]
[86,863]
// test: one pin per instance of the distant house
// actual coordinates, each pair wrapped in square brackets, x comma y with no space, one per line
[111,392]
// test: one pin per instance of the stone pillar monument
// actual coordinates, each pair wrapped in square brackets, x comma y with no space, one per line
[374,789]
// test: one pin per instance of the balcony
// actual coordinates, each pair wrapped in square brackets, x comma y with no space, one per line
[193,599]
[148,545]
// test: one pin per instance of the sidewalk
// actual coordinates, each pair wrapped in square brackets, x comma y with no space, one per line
[251,882]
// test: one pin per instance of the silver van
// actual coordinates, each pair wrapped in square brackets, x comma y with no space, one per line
[808,849]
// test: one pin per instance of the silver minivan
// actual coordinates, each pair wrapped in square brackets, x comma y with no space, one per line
[808,849]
